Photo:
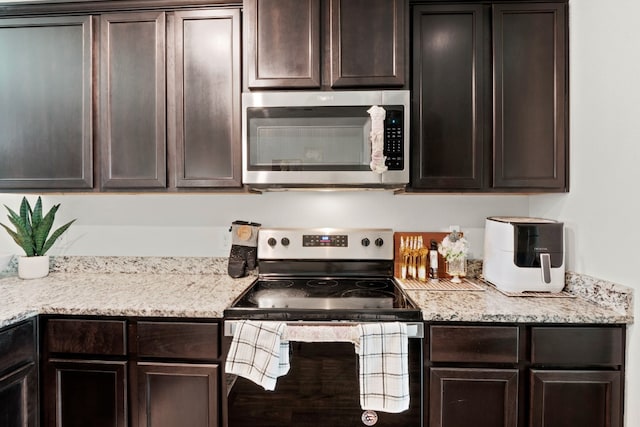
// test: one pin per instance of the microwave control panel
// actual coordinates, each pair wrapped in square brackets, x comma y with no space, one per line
[394,139]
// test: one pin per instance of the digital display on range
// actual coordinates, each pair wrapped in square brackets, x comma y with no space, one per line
[320,240]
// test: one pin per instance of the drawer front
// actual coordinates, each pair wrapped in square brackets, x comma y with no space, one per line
[488,344]
[106,337]
[178,340]
[17,345]
[577,346]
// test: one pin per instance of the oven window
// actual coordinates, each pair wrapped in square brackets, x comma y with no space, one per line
[309,138]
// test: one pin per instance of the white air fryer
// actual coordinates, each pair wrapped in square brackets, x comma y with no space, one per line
[524,254]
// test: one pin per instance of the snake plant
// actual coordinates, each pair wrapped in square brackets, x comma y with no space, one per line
[32,229]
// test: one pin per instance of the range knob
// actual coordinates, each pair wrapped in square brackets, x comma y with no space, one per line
[271,242]
[285,241]
[379,242]
[365,242]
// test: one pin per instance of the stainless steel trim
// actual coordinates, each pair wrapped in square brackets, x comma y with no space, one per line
[414,329]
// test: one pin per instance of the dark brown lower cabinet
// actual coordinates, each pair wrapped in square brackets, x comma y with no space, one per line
[79,393]
[575,398]
[461,397]
[18,402]
[492,375]
[120,372]
[18,376]
[171,394]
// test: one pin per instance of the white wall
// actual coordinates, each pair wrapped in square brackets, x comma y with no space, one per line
[602,211]
[197,225]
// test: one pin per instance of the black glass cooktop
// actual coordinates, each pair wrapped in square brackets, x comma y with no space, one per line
[324,298]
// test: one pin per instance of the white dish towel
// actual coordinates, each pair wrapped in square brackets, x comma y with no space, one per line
[258,352]
[383,367]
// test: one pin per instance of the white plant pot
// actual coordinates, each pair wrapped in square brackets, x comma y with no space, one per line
[33,267]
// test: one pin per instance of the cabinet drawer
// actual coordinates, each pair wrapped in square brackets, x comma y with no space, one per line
[491,344]
[178,340]
[577,346]
[107,337]
[17,345]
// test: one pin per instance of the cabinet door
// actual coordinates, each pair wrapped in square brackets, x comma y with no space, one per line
[178,395]
[133,100]
[80,393]
[530,111]
[576,399]
[473,397]
[18,397]
[204,97]
[46,93]
[282,43]
[367,43]
[449,112]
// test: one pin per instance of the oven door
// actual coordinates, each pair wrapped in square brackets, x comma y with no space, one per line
[320,138]
[321,389]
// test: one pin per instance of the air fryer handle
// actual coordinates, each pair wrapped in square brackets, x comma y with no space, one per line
[545,266]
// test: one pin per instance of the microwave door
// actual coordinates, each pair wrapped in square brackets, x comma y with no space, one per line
[305,145]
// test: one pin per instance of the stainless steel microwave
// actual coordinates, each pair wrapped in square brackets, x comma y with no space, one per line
[325,139]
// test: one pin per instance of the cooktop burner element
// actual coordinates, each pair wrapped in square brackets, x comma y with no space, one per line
[371,284]
[319,283]
[325,275]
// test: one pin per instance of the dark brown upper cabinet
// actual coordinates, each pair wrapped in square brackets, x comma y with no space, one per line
[490,97]
[133,100]
[451,72]
[204,98]
[46,111]
[324,44]
[170,99]
[530,108]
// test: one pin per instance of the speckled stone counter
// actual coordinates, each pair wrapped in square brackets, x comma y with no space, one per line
[200,287]
[109,286]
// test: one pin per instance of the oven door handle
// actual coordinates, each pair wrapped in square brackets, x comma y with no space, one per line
[414,329]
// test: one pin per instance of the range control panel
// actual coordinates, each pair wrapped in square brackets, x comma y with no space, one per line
[325,243]
[323,240]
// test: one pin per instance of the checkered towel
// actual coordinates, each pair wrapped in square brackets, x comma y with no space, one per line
[383,367]
[258,353]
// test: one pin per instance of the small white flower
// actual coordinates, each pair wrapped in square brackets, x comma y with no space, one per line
[453,250]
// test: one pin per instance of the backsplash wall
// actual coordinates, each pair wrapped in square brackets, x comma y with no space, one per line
[197,224]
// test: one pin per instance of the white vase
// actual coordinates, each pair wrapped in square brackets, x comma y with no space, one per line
[33,267]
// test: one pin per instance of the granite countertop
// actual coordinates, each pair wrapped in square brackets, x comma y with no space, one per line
[200,287]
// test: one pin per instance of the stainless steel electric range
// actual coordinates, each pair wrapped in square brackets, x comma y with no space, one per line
[317,276]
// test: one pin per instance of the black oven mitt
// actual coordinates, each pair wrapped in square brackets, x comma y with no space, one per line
[244,248]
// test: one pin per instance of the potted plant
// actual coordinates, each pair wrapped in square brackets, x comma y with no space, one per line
[32,235]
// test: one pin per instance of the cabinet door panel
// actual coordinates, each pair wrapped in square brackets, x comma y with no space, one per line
[575,399]
[46,94]
[78,391]
[178,395]
[530,84]
[367,43]
[132,88]
[473,397]
[18,397]
[282,43]
[205,98]
[449,76]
